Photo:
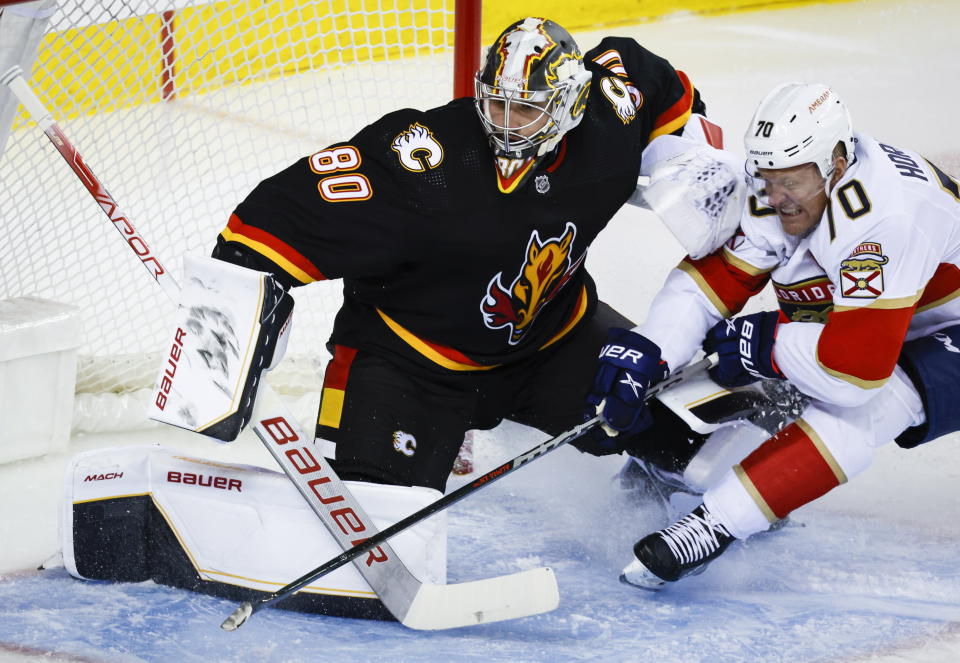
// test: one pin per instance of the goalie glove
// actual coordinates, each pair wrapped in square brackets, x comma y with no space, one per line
[231,327]
[697,193]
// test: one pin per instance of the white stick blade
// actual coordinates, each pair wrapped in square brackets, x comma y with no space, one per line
[238,617]
[483,601]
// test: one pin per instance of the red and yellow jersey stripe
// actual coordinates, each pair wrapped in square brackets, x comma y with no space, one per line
[792,468]
[334,386]
[454,360]
[861,345]
[944,287]
[677,115]
[276,250]
[727,281]
[443,355]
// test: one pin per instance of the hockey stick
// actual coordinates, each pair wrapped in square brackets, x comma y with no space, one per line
[246,609]
[414,604]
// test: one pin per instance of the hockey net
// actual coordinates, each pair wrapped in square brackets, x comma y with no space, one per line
[181,107]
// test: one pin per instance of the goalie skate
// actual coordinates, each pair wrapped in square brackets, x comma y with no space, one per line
[645,483]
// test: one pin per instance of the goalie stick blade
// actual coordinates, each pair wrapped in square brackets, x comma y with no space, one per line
[237,617]
[512,596]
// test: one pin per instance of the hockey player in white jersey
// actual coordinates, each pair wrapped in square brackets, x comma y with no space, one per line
[861,243]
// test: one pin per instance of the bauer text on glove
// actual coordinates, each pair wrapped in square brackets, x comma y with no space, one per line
[744,348]
[628,365]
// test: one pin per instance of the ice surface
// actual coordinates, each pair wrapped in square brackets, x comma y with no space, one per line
[869,573]
[867,570]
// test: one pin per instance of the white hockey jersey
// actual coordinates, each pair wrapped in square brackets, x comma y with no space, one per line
[882,267]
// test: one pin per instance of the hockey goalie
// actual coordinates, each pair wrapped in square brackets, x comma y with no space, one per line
[461,235]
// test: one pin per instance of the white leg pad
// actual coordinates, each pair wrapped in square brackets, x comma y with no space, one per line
[249,526]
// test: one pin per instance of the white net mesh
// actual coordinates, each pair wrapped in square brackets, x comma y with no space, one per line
[181,108]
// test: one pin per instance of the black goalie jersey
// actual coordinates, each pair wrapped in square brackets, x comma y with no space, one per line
[441,263]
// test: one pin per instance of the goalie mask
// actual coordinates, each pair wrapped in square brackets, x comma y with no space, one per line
[531,91]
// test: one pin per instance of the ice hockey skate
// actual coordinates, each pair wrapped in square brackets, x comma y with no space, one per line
[682,549]
[642,483]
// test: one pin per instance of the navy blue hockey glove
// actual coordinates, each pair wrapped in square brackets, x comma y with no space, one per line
[744,348]
[629,364]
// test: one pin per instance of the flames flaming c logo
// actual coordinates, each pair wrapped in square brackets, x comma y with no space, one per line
[546,269]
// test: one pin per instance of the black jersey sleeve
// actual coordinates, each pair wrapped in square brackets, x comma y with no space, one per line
[342,212]
[663,94]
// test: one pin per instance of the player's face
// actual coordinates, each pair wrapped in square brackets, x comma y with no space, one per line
[520,118]
[797,194]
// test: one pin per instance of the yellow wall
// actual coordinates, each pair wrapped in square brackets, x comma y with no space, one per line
[583,15]
[104,67]
[279,36]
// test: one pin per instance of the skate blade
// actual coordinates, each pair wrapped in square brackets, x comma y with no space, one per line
[637,575]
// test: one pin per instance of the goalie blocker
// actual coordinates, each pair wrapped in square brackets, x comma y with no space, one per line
[238,532]
[231,327]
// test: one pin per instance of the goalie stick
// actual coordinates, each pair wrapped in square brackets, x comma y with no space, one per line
[246,609]
[415,604]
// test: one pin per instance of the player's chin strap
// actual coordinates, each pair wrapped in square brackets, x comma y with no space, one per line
[415,604]
[243,612]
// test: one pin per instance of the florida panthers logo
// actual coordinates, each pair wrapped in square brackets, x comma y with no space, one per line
[417,148]
[547,268]
[861,275]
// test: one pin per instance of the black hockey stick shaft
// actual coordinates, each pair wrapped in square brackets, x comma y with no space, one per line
[246,609]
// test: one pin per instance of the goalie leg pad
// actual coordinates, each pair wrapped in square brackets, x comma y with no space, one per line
[705,406]
[231,326]
[693,461]
[669,443]
[725,447]
[147,513]
[700,429]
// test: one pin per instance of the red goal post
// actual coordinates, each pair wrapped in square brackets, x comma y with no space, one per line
[181,107]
